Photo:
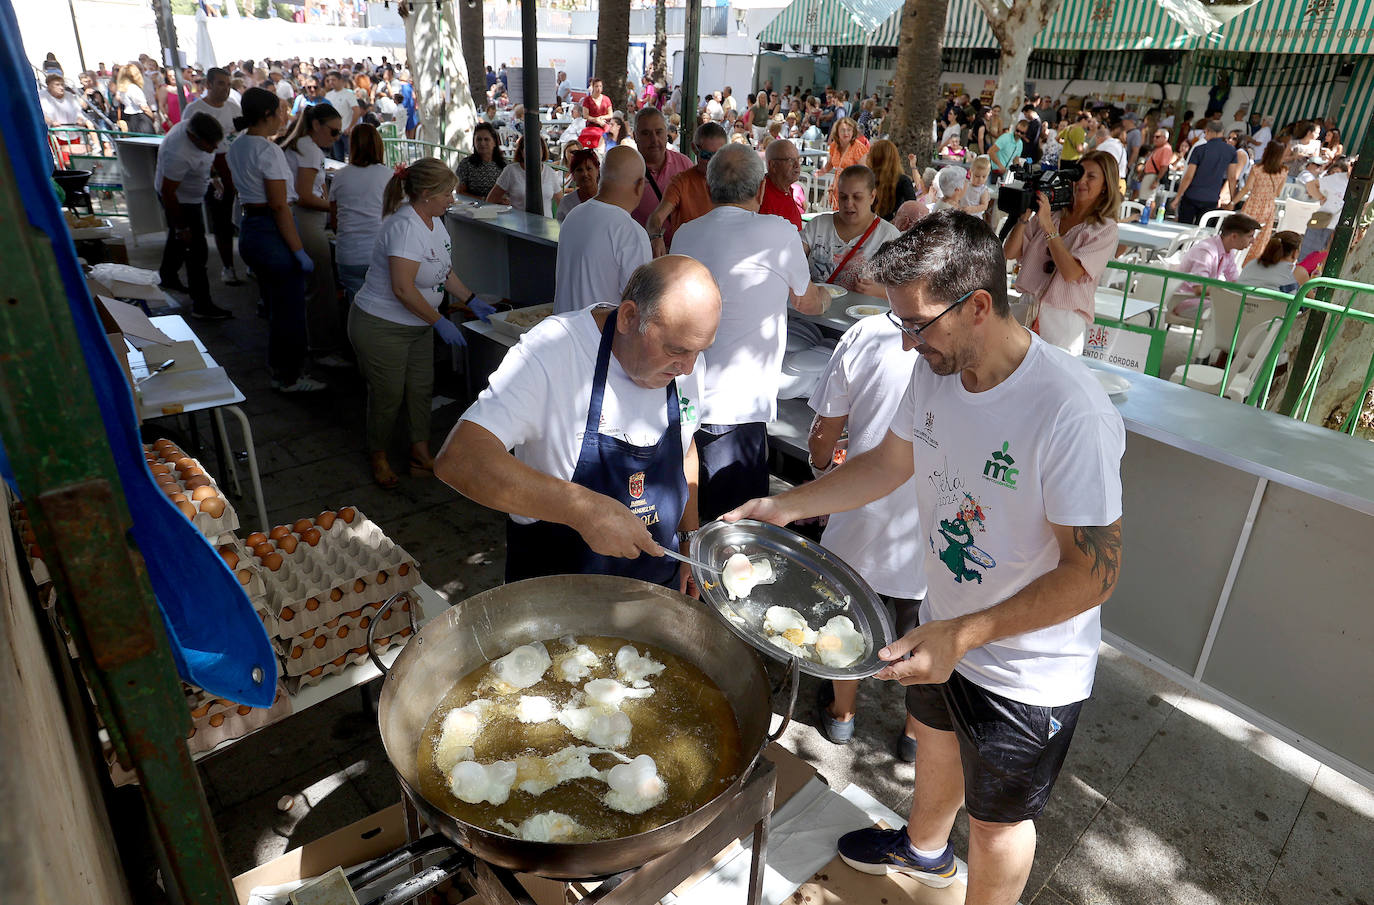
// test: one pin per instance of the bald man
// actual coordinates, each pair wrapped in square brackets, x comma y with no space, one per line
[782,196]
[598,408]
[599,245]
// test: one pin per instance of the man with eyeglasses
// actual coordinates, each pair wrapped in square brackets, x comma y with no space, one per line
[687,196]
[1016,454]
[782,196]
[309,97]
[1158,163]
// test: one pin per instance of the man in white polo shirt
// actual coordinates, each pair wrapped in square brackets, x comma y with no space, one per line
[599,245]
[760,265]
[1016,452]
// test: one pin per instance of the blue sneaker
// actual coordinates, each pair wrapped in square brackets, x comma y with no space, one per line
[877,851]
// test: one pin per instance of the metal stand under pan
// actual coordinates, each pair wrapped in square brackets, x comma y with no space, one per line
[748,811]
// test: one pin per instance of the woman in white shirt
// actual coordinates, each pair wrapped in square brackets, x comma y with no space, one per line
[396,312]
[133,103]
[510,185]
[355,206]
[839,244]
[268,240]
[317,128]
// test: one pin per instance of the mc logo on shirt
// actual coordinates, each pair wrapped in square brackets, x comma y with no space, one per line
[998,468]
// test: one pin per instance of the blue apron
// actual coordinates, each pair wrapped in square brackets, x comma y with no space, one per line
[647,479]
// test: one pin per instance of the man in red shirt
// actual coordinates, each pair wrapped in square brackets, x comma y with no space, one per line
[598,111]
[661,163]
[781,194]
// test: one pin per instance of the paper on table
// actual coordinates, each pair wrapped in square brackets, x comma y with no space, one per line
[175,390]
[133,323]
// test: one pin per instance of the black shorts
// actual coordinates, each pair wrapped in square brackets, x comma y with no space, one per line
[733,466]
[1011,752]
[904,612]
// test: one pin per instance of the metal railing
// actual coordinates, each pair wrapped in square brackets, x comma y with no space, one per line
[409,150]
[94,149]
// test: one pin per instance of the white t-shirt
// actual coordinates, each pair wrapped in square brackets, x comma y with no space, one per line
[252,160]
[537,400]
[64,112]
[307,155]
[182,162]
[567,203]
[512,179]
[236,96]
[994,471]
[342,100]
[756,259]
[564,91]
[828,249]
[1114,147]
[716,111]
[599,247]
[134,98]
[224,114]
[1263,135]
[404,235]
[285,91]
[1333,186]
[866,379]
[358,193]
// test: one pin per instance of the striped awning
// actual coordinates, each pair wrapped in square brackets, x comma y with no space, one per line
[830,22]
[1299,26]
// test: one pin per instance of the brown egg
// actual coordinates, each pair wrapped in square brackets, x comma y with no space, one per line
[312,604]
[160,469]
[263,549]
[187,509]
[405,632]
[340,660]
[302,525]
[272,561]
[287,544]
[296,652]
[184,462]
[217,720]
[287,614]
[348,513]
[279,532]
[308,634]
[199,480]
[245,576]
[335,594]
[326,519]
[320,642]
[177,497]
[203,493]
[316,671]
[331,623]
[200,711]
[359,586]
[229,555]
[342,632]
[383,641]
[359,651]
[192,734]
[403,568]
[193,472]
[255,538]
[382,576]
[213,507]
[364,622]
[162,444]
[354,614]
[243,710]
[405,607]
[167,480]
[312,536]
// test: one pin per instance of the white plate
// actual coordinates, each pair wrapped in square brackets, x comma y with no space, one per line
[1114,384]
[835,291]
[858,311]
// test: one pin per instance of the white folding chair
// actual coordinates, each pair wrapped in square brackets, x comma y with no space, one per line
[1211,221]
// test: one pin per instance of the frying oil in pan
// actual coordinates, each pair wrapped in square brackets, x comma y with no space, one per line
[687,726]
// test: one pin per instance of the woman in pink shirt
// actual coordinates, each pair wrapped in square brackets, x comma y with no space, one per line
[1064,253]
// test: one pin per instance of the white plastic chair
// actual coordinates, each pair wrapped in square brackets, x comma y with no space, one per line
[1211,221]
[1130,210]
[1250,355]
[1296,214]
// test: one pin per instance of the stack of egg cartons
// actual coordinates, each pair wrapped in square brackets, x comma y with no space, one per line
[187,484]
[327,579]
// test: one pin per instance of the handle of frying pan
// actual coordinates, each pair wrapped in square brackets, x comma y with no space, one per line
[421,883]
[794,680]
[377,620]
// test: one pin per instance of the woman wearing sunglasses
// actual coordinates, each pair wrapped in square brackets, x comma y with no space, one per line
[1064,253]
[317,128]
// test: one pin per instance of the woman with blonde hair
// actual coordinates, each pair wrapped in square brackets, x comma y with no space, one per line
[1064,253]
[847,148]
[894,187]
[396,313]
[134,111]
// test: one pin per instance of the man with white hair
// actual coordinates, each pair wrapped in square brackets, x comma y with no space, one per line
[600,245]
[760,266]
[1262,136]
[782,196]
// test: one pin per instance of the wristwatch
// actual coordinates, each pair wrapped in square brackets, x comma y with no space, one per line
[1051,236]
[653,236]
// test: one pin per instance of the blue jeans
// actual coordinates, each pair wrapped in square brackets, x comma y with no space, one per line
[1314,240]
[351,278]
[282,284]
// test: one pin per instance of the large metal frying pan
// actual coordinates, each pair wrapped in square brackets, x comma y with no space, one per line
[490,624]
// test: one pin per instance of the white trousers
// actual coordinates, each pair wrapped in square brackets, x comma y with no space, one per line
[1063,328]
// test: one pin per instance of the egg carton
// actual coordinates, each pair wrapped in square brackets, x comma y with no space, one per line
[319,569]
[355,655]
[218,726]
[174,470]
[341,635]
[245,567]
[28,542]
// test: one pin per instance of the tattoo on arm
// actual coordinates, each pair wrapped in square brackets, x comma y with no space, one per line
[1103,546]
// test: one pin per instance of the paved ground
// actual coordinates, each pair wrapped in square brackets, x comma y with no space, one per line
[1165,798]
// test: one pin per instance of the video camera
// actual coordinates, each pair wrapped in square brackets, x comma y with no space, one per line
[1018,196]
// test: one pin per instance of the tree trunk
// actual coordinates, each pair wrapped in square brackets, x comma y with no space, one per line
[440,79]
[471,28]
[613,49]
[658,66]
[916,79]
[1015,28]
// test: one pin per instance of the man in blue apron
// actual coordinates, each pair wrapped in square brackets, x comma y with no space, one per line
[584,434]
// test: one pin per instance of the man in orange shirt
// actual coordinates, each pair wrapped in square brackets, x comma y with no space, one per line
[687,196]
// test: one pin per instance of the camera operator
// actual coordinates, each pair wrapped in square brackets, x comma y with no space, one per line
[1064,253]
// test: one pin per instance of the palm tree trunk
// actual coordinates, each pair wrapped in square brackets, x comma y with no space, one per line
[471,28]
[658,68]
[613,49]
[916,80]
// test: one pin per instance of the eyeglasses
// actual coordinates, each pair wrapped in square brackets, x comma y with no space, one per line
[335,133]
[915,332]
[705,155]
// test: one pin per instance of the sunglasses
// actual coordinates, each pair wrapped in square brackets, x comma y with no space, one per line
[915,332]
[335,133]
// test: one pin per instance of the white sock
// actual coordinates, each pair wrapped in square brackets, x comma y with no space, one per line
[929,856]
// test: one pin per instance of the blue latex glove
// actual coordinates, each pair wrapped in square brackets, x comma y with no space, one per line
[482,310]
[450,332]
[303,259]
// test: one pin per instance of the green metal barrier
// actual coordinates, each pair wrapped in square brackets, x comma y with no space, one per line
[409,150]
[1338,315]
[98,155]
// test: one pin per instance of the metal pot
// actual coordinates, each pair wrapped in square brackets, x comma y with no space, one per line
[488,625]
